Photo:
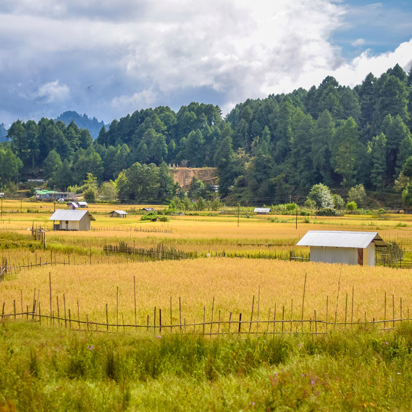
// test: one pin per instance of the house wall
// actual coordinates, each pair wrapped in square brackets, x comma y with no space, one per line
[84,223]
[347,256]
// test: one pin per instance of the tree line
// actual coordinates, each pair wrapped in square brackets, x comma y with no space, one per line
[265,149]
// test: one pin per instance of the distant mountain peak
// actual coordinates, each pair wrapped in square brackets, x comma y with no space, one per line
[82,121]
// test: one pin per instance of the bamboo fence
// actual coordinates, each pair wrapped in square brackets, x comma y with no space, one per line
[215,323]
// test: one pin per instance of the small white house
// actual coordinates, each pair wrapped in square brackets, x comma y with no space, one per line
[262,210]
[71,219]
[351,248]
[82,204]
[118,213]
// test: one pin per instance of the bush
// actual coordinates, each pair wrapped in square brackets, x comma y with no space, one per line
[310,204]
[351,206]
[338,202]
[357,194]
[321,195]
[291,206]
[89,195]
[326,212]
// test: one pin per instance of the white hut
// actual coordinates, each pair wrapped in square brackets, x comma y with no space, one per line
[72,219]
[262,210]
[351,248]
[118,213]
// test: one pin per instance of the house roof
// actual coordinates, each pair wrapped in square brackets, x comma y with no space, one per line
[45,192]
[119,212]
[345,239]
[82,204]
[262,209]
[71,215]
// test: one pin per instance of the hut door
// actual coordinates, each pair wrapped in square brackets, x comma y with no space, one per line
[360,257]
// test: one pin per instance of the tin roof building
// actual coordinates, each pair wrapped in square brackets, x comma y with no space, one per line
[72,219]
[352,248]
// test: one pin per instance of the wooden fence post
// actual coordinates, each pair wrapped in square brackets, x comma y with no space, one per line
[240,323]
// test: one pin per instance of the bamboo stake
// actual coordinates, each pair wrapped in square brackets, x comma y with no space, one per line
[267,326]
[291,315]
[283,317]
[171,317]
[303,298]
[393,311]
[14,308]
[384,316]
[50,287]
[180,314]
[78,313]
[58,310]
[230,320]
[316,324]
[240,322]
[337,299]
[400,308]
[117,309]
[274,320]
[218,325]
[213,309]
[258,311]
[251,315]
[160,320]
[346,309]
[107,318]
[134,295]
[327,313]
[64,303]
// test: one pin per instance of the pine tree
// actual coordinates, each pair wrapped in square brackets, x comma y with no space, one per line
[378,161]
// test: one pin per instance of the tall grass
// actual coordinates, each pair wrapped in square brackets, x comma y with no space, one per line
[44,370]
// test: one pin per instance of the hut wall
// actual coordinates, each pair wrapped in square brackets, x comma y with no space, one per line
[347,256]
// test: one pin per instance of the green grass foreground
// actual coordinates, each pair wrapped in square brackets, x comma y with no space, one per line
[45,369]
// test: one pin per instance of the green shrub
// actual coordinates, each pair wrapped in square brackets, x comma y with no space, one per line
[351,206]
[326,212]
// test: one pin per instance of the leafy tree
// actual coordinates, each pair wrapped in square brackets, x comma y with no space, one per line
[345,149]
[51,164]
[62,177]
[338,202]
[224,161]
[322,138]
[357,194]
[378,161]
[10,166]
[351,206]
[322,196]
[108,191]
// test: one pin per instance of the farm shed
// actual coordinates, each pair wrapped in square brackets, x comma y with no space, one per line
[82,204]
[262,210]
[148,209]
[72,219]
[72,206]
[118,213]
[351,248]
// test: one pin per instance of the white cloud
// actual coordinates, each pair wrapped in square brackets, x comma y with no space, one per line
[146,98]
[53,92]
[358,42]
[141,53]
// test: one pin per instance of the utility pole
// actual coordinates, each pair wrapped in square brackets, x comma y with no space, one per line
[2,207]
[296,216]
[21,202]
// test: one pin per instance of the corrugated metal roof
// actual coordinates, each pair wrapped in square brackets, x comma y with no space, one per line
[81,204]
[119,212]
[358,240]
[262,209]
[71,215]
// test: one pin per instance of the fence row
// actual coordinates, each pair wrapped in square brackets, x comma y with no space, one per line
[161,252]
[207,328]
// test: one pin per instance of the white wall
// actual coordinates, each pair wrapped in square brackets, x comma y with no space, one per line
[347,256]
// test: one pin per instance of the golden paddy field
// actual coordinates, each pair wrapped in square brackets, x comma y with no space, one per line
[232,282]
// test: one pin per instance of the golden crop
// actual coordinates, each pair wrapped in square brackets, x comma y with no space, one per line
[231,282]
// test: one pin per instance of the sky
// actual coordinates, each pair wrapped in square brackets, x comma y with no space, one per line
[110,58]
